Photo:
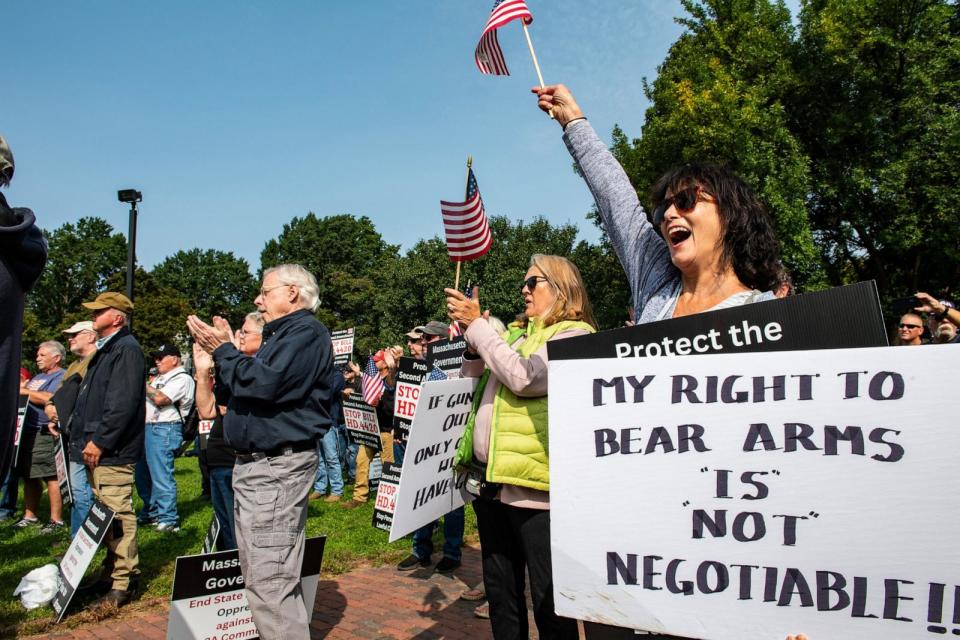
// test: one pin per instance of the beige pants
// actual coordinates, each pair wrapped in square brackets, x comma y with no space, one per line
[361,490]
[113,486]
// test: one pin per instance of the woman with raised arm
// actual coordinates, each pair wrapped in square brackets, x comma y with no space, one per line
[710,243]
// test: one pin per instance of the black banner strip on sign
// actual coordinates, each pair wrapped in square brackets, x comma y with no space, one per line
[843,317]
[213,573]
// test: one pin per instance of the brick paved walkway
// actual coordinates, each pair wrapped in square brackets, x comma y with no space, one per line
[373,603]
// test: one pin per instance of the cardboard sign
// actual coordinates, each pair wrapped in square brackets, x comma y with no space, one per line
[22,403]
[362,424]
[213,534]
[203,432]
[63,469]
[843,317]
[447,355]
[79,555]
[342,346]
[386,502]
[429,486]
[410,375]
[209,601]
[748,496]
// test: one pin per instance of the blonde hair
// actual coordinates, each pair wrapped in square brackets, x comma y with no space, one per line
[572,302]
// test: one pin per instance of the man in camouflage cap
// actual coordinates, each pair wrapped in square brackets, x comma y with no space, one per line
[23,253]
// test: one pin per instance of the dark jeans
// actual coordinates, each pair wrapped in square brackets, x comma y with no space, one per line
[11,488]
[221,494]
[513,539]
[452,536]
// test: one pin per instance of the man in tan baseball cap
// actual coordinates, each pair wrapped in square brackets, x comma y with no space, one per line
[111,300]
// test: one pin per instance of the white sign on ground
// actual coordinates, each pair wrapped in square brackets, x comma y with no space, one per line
[209,600]
[429,486]
[748,496]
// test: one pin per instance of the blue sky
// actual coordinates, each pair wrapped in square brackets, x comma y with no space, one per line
[233,117]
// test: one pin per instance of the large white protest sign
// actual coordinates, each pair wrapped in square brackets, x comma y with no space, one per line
[748,496]
[209,600]
[429,486]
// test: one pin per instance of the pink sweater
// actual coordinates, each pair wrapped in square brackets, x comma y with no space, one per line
[526,377]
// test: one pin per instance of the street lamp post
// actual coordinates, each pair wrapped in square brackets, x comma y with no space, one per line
[133,197]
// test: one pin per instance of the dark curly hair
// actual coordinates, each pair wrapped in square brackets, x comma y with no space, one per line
[750,242]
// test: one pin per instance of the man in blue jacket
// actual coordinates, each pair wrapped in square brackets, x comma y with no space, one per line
[278,407]
[106,432]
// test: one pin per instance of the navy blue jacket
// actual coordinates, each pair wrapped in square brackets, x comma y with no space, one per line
[111,407]
[282,395]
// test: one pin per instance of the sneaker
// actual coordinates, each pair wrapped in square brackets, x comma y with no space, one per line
[353,504]
[23,523]
[411,562]
[446,565]
[168,527]
[144,521]
[332,498]
[483,611]
[52,527]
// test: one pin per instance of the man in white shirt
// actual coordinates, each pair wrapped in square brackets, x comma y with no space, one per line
[169,400]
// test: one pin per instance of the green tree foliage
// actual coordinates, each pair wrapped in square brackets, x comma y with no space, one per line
[877,109]
[82,257]
[159,314]
[718,98]
[213,282]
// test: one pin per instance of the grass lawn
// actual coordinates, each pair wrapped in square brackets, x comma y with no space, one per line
[351,542]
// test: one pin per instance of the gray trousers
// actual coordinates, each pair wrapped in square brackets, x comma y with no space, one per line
[270,508]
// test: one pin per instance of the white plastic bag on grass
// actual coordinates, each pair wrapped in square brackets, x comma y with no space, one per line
[38,587]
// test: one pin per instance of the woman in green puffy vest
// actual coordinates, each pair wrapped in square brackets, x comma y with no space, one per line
[506,440]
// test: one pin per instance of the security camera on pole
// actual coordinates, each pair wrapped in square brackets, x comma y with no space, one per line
[133,197]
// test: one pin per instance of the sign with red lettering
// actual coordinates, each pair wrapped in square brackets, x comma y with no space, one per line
[342,346]
[410,375]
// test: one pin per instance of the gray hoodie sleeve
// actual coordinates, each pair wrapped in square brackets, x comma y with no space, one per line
[642,252]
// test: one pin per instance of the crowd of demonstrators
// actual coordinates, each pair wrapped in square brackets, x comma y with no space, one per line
[107,433]
[23,254]
[386,362]
[278,407]
[170,396]
[35,465]
[942,324]
[418,340]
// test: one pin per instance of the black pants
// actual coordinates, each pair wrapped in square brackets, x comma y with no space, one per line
[513,539]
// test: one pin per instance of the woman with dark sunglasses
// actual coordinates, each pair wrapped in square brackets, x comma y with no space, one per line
[716,246]
[505,441]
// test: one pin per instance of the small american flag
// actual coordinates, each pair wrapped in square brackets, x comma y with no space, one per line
[454,329]
[465,225]
[489,56]
[371,383]
[436,374]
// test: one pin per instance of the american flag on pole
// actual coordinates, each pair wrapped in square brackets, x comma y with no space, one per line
[465,225]
[371,383]
[489,56]
[454,329]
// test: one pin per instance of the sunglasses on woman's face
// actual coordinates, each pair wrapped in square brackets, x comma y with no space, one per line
[531,283]
[684,200]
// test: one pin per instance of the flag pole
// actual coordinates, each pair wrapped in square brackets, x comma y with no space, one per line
[533,55]
[466,191]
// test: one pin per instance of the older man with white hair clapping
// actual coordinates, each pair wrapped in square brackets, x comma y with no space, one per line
[278,406]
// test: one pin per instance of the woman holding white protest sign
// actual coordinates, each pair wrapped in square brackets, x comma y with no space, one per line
[505,441]
[716,246]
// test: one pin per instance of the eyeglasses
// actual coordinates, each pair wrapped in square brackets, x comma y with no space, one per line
[265,290]
[244,332]
[531,283]
[904,325]
[684,200]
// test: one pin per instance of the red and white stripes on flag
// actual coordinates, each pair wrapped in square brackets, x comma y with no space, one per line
[371,383]
[489,56]
[465,225]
